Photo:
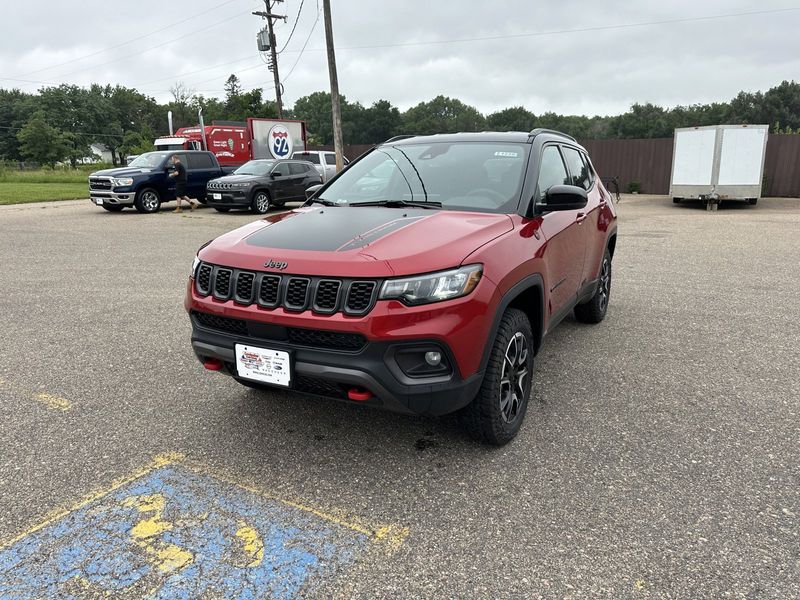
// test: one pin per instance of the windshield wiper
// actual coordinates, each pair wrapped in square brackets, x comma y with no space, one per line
[321,201]
[400,203]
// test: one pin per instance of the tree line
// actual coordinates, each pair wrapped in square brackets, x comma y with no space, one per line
[60,123]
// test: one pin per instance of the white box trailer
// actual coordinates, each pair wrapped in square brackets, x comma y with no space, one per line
[718,162]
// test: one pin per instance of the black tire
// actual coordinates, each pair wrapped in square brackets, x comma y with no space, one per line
[112,207]
[495,415]
[676,200]
[595,309]
[261,202]
[222,209]
[752,201]
[147,201]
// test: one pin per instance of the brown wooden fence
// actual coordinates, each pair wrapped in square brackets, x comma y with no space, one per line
[648,162]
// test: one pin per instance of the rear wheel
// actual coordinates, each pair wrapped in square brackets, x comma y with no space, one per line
[261,202]
[113,207]
[147,201]
[595,309]
[496,413]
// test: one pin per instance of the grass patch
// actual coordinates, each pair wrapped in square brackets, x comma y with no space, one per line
[57,175]
[20,193]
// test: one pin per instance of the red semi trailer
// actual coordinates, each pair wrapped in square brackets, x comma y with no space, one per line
[236,142]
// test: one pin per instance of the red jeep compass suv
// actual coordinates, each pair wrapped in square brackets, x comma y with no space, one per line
[422,279]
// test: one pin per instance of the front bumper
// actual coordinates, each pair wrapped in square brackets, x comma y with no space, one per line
[228,198]
[331,373]
[115,197]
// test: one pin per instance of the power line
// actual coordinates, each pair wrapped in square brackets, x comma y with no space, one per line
[299,10]
[299,56]
[79,58]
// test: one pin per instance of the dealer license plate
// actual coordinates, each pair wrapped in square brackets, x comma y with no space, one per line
[216,196]
[98,201]
[263,364]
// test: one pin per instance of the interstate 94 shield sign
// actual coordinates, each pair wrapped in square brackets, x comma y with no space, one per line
[280,142]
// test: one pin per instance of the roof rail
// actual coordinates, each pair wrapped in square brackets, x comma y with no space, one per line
[540,130]
[400,137]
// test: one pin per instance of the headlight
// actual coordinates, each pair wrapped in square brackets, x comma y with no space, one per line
[195,264]
[122,182]
[434,287]
[243,185]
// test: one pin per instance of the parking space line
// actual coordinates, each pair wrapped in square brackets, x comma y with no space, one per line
[390,536]
[54,402]
[175,526]
[161,460]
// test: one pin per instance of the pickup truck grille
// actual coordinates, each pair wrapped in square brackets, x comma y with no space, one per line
[99,183]
[311,338]
[292,292]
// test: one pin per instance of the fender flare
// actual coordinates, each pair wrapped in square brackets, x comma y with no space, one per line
[534,282]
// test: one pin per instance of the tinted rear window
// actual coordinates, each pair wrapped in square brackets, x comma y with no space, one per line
[309,156]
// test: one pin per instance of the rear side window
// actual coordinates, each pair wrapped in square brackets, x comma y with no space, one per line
[297,169]
[200,161]
[552,171]
[330,159]
[578,170]
[311,157]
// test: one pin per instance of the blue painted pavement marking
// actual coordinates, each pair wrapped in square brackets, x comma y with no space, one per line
[176,533]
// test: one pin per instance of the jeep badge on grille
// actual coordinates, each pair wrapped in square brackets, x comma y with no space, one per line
[274,264]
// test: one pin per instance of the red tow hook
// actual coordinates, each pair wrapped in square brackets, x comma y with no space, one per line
[213,364]
[359,394]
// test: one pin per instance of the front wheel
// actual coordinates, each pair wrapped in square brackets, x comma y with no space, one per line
[261,202]
[595,309]
[147,201]
[496,413]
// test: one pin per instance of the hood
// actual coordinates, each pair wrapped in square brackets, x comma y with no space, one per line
[240,178]
[358,242]
[120,172]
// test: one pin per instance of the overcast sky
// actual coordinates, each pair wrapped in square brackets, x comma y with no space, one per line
[408,51]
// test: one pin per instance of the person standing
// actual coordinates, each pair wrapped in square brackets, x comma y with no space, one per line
[179,173]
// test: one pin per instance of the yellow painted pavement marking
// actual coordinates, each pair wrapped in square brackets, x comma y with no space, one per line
[166,557]
[159,461]
[391,536]
[253,545]
[54,402]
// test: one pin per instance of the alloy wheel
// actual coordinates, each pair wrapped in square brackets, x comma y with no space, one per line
[513,377]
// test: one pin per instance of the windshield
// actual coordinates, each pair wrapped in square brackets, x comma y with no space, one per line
[150,160]
[255,167]
[478,176]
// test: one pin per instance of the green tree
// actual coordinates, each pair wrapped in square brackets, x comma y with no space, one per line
[442,115]
[516,118]
[41,142]
[315,110]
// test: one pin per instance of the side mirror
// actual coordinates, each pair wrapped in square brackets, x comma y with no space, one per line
[312,189]
[564,197]
[275,174]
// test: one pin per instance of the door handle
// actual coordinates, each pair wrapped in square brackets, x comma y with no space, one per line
[580,218]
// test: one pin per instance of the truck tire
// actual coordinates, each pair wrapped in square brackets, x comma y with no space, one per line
[676,200]
[752,201]
[495,415]
[261,202]
[147,201]
[595,309]
[113,207]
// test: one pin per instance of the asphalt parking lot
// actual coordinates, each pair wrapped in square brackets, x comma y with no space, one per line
[660,457]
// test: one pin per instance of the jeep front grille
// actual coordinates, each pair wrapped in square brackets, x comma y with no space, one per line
[291,292]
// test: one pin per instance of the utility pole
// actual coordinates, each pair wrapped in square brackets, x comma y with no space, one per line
[336,107]
[269,44]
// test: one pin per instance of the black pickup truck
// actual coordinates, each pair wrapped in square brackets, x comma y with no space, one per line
[145,183]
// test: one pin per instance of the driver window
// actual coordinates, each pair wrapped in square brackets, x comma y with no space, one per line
[279,171]
[551,171]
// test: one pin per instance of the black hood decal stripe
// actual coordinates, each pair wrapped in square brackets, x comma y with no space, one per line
[382,230]
[333,229]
